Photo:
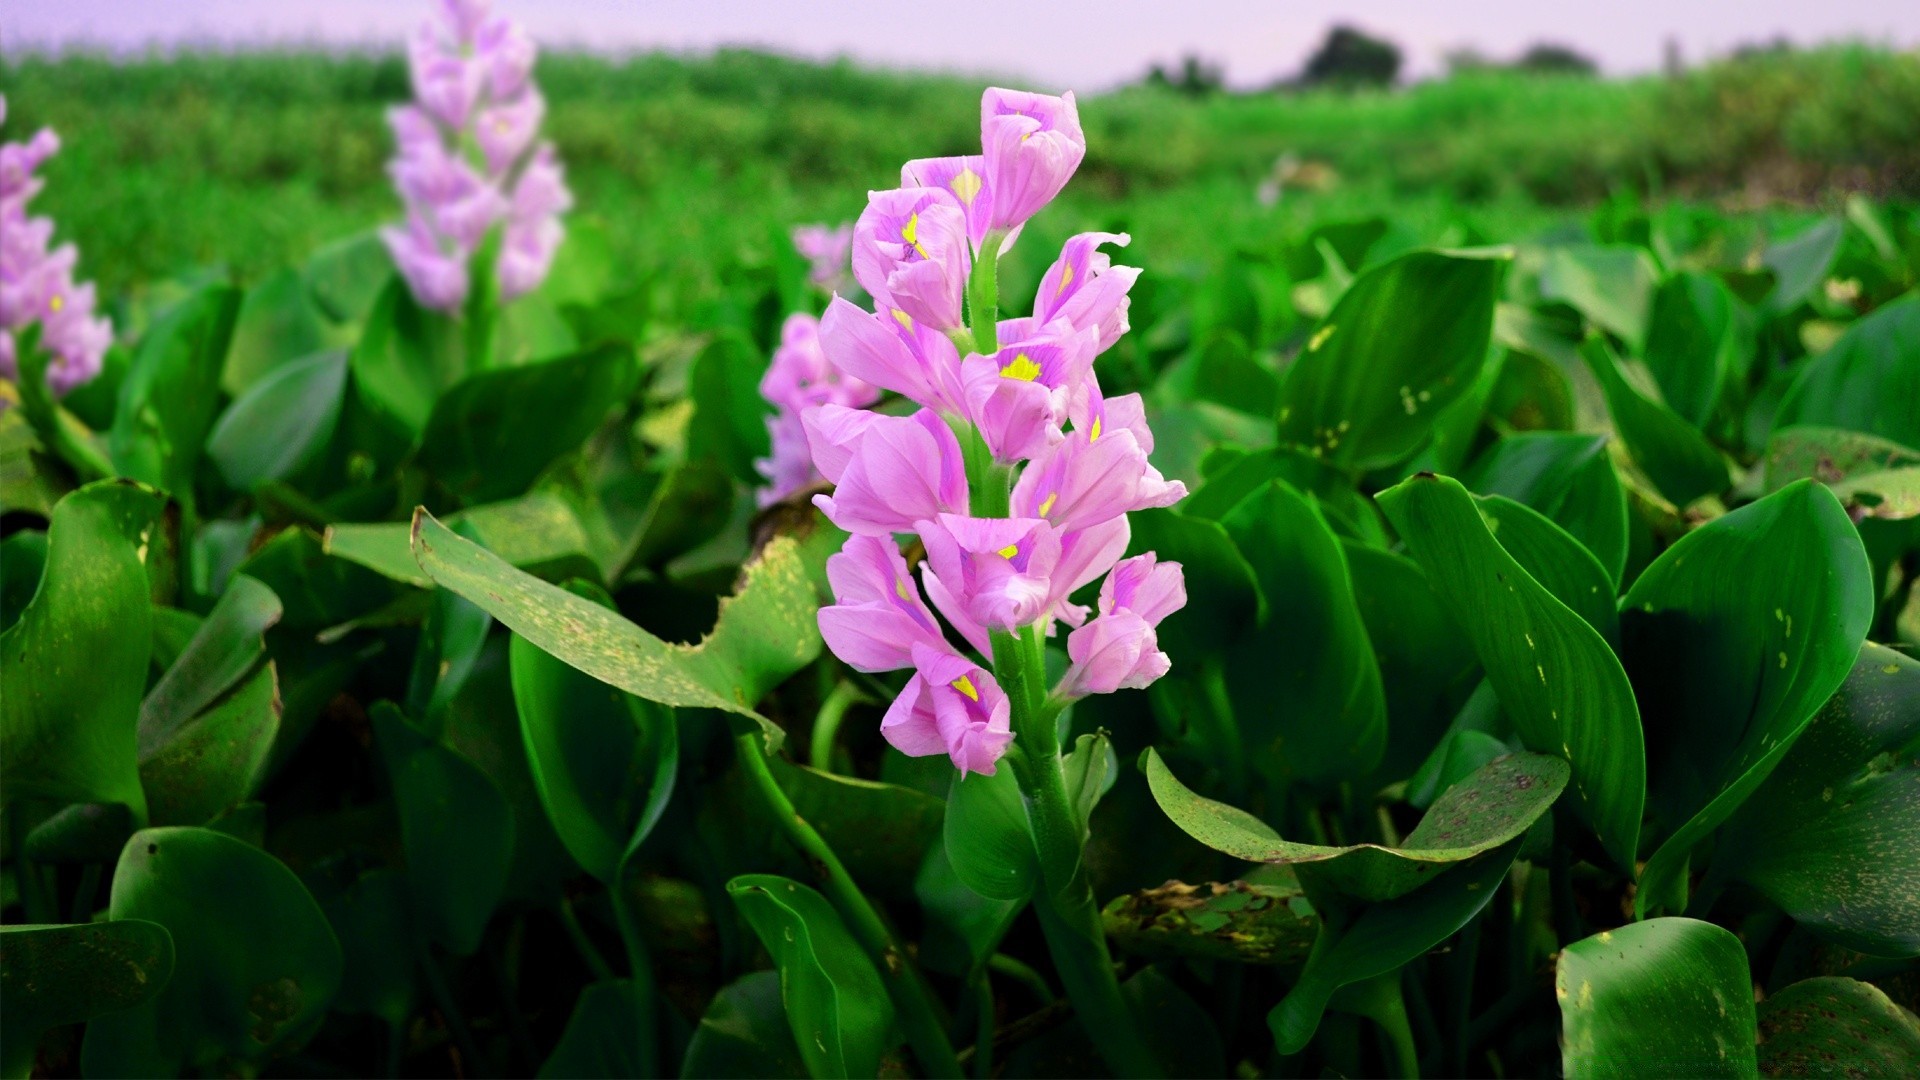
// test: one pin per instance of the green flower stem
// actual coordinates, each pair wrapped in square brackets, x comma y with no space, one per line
[925,1031]
[1069,916]
[826,725]
[639,963]
[582,944]
[1007,967]
[983,295]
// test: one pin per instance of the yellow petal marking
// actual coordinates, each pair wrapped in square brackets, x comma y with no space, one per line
[904,319]
[1021,367]
[965,686]
[910,232]
[1047,507]
[900,589]
[1066,279]
[1094,434]
[966,185]
[1009,551]
[57,304]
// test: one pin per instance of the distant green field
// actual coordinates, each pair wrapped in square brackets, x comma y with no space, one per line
[247,162]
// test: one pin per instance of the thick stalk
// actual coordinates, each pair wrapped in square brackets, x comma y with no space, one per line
[924,1030]
[1069,916]
[826,725]
[639,963]
[983,295]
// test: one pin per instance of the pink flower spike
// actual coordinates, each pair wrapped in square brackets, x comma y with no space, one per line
[1084,556]
[950,706]
[507,54]
[891,352]
[829,251]
[1084,288]
[965,178]
[505,131]
[1145,586]
[1033,144]
[878,617]
[1083,481]
[1020,396]
[910,252]
[893,470]
[1000,571]
[1113,652]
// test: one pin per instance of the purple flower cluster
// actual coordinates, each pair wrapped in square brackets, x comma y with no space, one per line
[827,249]
[800,378]
[467,158]
[1072,463]
[36,284]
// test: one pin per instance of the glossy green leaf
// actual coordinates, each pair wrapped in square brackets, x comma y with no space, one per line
[1831,836]
[1733,638]
[1567,477]
[1488,808]
[1666,997]
[1612,285]
[1672,452]
[1869,381]
[539,532]
[1221,597]
[347,276]
[77,657]
[1555,675]
[224,648]
[215,759]
[988,840]
[1408,338]
[492,433]
[1237,922]
[23,558]
[255,963]
[56,975]
[1425,661]
[455,828]
[840,1014]
[744,1034]
[1800,264]
[1558,562]
[1305,686]
[278,323]
[1383,937]
[282,423]
[729,421]
[600,1038]
[405,358]
[168,400]
[765,633]
[604,761]
[1837,1027]
[1693,344]
[882,832]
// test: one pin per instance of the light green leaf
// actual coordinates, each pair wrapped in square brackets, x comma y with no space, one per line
[601,1037]
[1666,997]
[1555,675]
[537,532]
[347,276]
[1693,345]
[1567,477]
[168,400]
[1869,381]
[281,423]
[1800,264]
[989,842]
[1612,285]
[1672,452]
[1733,638]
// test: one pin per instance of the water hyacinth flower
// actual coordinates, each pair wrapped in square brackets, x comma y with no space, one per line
[1068,463]
[799,378]
[468,159]
[36,281]
[828,251]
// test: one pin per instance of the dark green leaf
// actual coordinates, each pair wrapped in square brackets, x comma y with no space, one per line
[1225,372]
[255,964]
[1733,638]
[282,423]
[215,759]
[1693,346]
[223,649]
[601,1038]
[744,1034]
[1837,1027]
[989,842]
[1404,341]
[1666,997]
[882,832]
[405,358]
[1869,381]
[56,975]
[1425,661]
[1567,477]
[1831,835]
[729,421]
[1554,559]
[168,401]
[1672,452]
[838,1009]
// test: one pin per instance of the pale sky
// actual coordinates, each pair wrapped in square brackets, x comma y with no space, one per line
[1090,46]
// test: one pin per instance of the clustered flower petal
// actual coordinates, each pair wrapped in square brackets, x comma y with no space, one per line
[800,378]
[467,159]
[827,250]
[36,283]
[1034,402]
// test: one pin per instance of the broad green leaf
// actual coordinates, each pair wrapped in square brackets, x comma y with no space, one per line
[1672,452]
[882,832]
[1733,638]
[23,558]
[1869,381]
[1800,264]
[604,761]
[1831,836]
[168,400]
[601,1038]
[223,649]
[840,1015]
[988,840]
[963,928]
[215,759]
[1383,937]
[1555,560]
[405,358]
[373,919]
[77,657]
[1666,997]
[1221,598]
[1346,510]
[744,1034]
[347,276]
[282,423]
[1693,344]
[1236,922]
[1555,675]
[729,421]
[255,964]
[1305,686]
[1567,477]
[491,434]
[1612,285]
[1225,372]
[1492,806]
[1831,455]
[1425,661]
[278,321]
[1407,339]
[1837,1027]
[765,633]
[537,532]
[455,829]
[56,975]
